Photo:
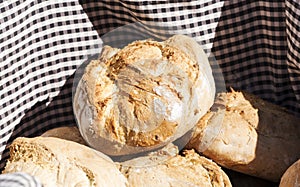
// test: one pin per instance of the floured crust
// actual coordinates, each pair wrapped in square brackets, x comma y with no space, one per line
[236,132]
[187,170]
[58,162]
[255,137]
[143,96]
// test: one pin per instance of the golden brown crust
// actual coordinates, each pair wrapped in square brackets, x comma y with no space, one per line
[257,138]
[189,169]
[144,96]
[291,177]
[58,162]
[135,52]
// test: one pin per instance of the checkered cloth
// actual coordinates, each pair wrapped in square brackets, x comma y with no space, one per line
[42,43]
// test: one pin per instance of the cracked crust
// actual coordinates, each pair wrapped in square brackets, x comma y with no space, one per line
[58,162]
[238,115]
[143,96]
[187,170]
[257,137]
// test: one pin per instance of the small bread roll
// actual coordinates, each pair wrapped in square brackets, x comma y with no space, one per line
[255,137]
[187,170]
[291,177]
[60,163]
[143,96]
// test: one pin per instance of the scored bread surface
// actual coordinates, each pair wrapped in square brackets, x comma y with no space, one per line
[143,96]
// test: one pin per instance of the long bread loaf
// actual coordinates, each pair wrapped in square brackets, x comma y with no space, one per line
[60,163]
[256,137]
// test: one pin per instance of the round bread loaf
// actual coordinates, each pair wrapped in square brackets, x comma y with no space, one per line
[291,177]
[60,163]
[143,96]
[187,170]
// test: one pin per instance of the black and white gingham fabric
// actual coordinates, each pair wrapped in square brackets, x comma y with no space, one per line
[257,46]
[19,179]
[42,43]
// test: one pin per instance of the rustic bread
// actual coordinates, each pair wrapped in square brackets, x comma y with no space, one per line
[291,177]
[143,96]
[67,133]
[257,138]
[58,162]
[187,170]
